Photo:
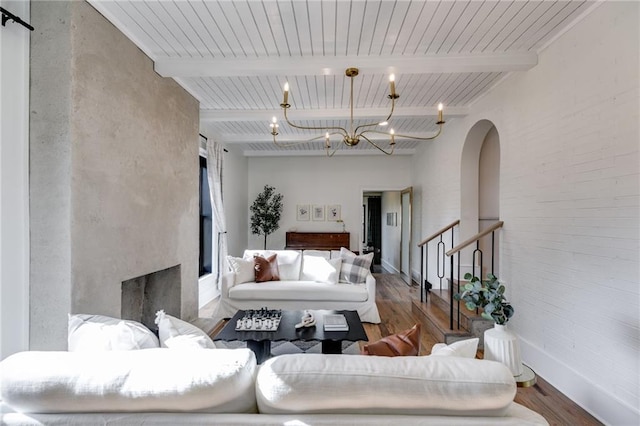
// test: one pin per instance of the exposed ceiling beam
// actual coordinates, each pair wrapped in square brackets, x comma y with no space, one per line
[322,153]
[208,115]
[267,138]
[322,65]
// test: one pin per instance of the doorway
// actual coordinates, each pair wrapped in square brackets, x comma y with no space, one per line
[372,226]
[386,230]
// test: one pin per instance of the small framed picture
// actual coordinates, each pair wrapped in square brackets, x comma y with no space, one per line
[303,212]
[392,219]
[333,212]
[318,212]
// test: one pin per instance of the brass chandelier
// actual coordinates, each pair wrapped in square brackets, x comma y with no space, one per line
[354,135]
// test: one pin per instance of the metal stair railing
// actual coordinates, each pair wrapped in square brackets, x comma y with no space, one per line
[425,285]
[477,255]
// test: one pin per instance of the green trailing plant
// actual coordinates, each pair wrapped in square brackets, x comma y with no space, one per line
[265,213]
[488,295]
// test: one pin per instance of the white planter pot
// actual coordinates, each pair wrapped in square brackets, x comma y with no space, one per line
[502,345]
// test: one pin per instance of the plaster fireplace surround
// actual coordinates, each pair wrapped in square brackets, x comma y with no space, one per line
[113,178]
[143,296]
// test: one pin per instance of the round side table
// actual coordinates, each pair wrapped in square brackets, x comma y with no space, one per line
[527,378]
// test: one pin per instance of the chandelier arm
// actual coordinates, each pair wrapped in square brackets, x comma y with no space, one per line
[393,106]
[397,135]
[393,145]
[286,118]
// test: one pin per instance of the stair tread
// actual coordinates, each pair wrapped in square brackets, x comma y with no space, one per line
[434,315]
[438,318]
[445,298]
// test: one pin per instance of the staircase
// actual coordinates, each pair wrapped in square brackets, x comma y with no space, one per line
[446,321]
[434,317]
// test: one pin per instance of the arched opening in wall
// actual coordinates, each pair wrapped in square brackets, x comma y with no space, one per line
[480,192]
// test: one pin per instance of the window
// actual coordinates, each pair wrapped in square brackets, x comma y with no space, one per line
[206,221]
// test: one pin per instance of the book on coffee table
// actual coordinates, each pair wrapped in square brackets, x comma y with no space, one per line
[335,322]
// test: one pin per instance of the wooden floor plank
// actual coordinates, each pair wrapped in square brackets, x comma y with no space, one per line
[394,298]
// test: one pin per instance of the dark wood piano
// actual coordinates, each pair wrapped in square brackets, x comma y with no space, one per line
[317,240]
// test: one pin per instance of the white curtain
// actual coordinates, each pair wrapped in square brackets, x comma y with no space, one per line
[215,153]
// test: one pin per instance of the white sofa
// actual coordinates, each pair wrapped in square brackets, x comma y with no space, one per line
[227,387]
[293,291]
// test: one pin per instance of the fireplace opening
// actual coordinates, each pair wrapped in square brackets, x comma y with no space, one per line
[143,296]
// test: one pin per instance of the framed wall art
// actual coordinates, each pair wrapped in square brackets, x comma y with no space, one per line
[392,219]
[303,212]
[318,212]
[333,212]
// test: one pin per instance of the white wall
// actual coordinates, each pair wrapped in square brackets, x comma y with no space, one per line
[14,182]
[569,184]
[313,180]
[390,258]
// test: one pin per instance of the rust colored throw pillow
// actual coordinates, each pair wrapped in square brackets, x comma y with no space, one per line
[266,268]
[406,343]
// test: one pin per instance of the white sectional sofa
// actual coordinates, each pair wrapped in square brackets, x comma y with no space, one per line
[297,288]
[227,387]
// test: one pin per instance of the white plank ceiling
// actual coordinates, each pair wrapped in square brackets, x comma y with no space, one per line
[235,56]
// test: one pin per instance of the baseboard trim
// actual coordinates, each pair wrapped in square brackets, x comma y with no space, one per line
[389,267]
[588,395]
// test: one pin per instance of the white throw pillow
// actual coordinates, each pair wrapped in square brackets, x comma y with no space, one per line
[95,333]
[462,348]
[177,334]
[354,268]
[243,268]
[320,270]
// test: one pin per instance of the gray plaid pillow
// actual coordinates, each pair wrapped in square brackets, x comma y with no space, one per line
[354,268]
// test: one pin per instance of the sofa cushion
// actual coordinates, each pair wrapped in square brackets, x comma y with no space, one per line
[405,343]
[177,334]
[354,268]
[463,348]
[299,290]
[209,380]
[289,262]
[243,268]
[266,269]
[318,253]
[359,384]
[319,269]
[94,333]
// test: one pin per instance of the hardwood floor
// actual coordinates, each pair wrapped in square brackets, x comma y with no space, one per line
[394,303]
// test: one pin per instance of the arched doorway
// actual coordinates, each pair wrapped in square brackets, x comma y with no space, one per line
[480,192]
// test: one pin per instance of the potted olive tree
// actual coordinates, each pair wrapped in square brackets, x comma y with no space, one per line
[265,212]
[500,343]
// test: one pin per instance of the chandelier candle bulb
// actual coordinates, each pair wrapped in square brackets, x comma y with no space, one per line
[392,84]
[393,138]
[286,93]
[274,126]
[440,108]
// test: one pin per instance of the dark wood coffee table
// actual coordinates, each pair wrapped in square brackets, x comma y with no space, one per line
[260,341]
